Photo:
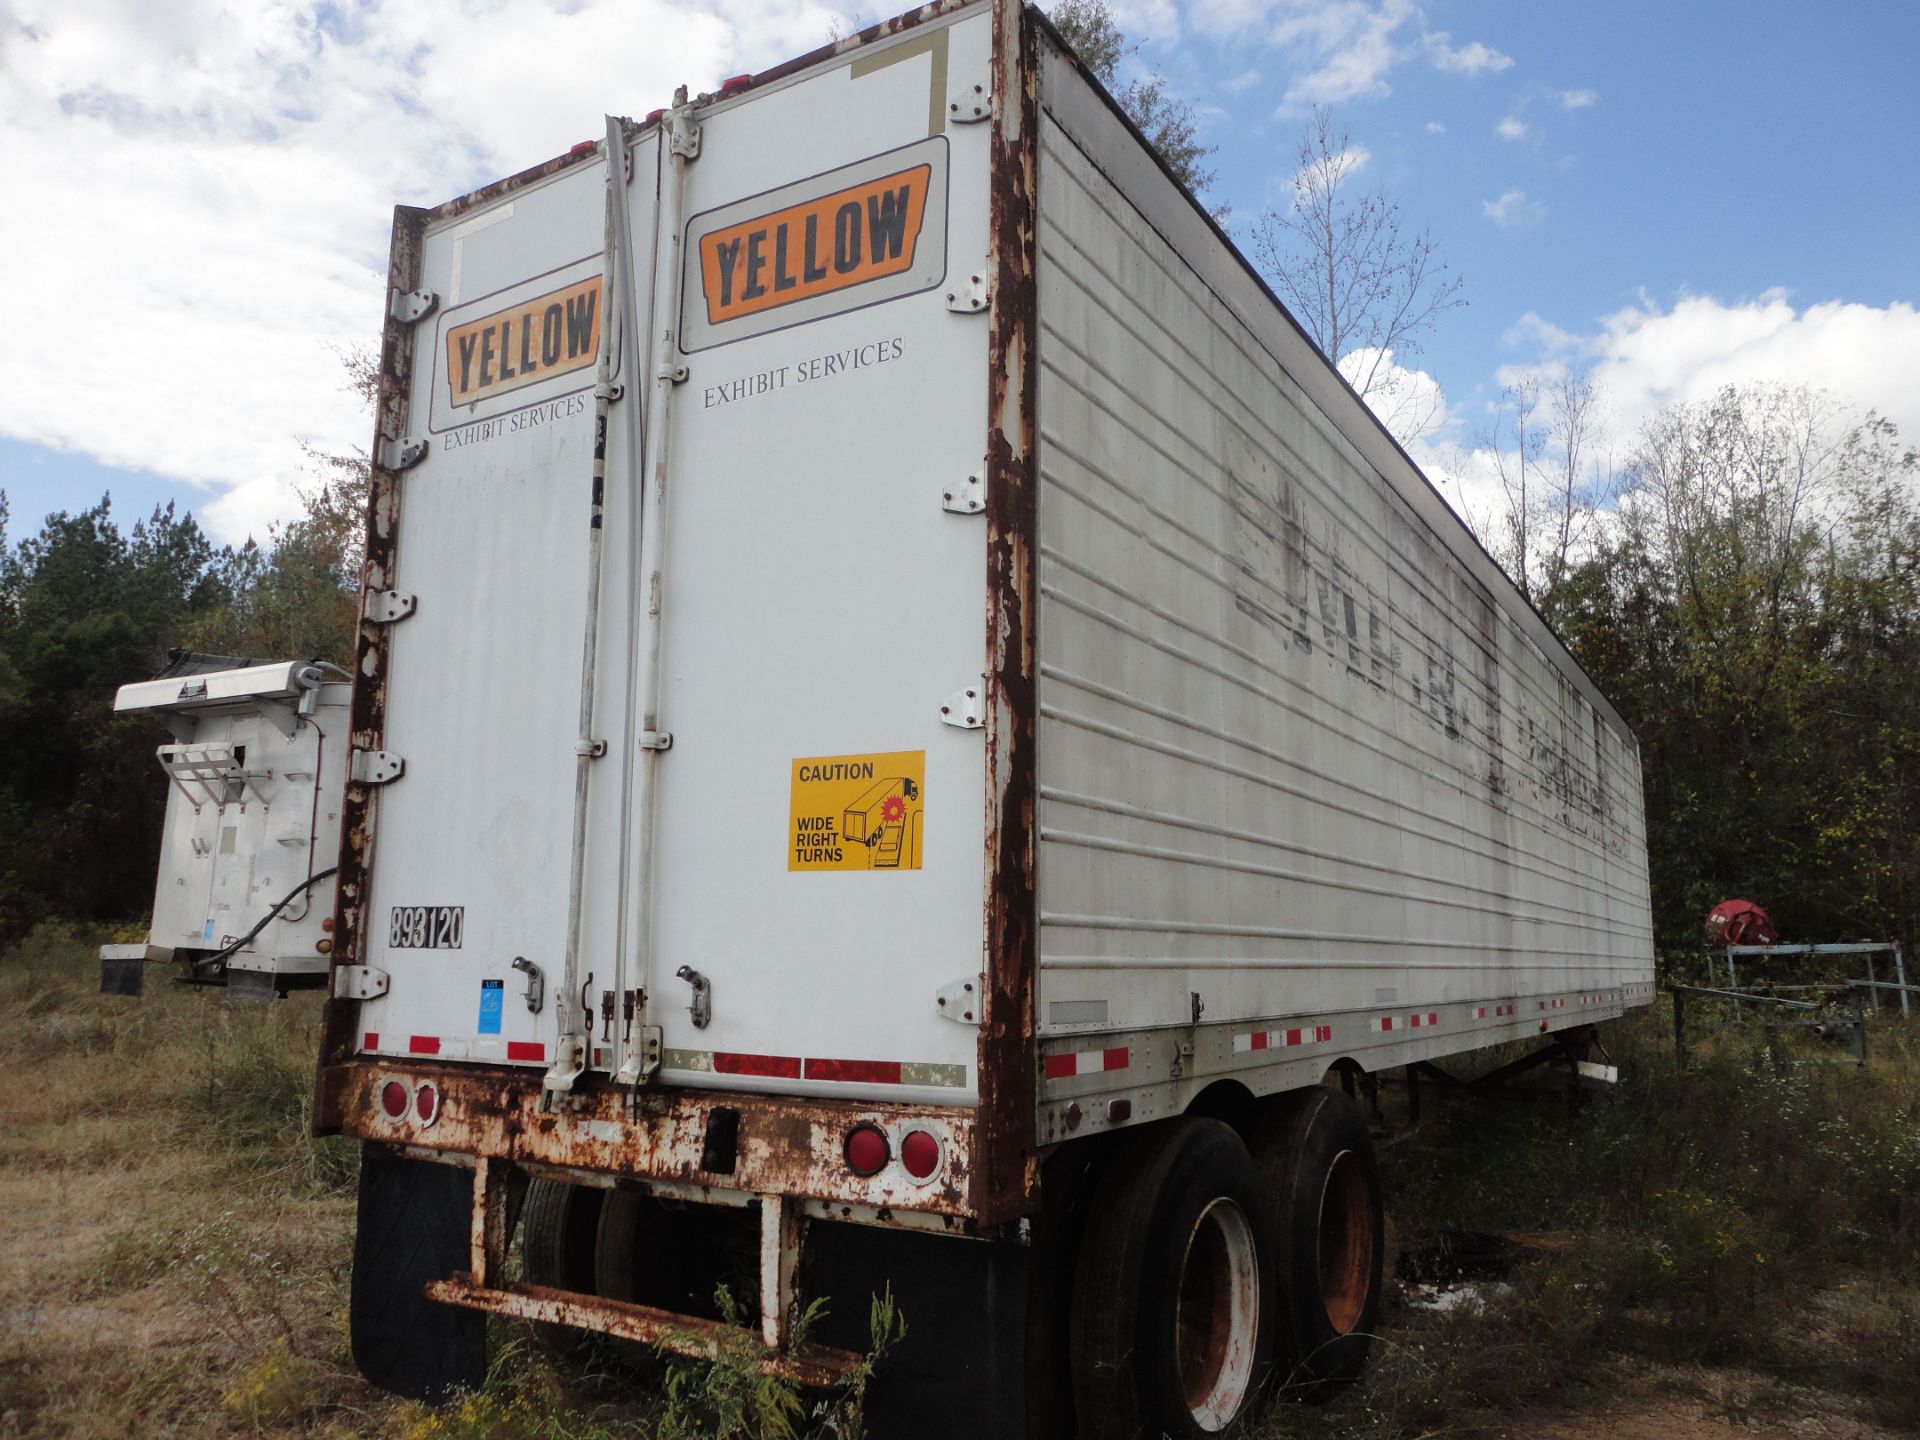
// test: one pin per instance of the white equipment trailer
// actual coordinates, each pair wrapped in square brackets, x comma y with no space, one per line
[256,769]
[993,726]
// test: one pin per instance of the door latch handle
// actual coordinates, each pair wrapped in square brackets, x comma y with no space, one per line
[536,983]
[702,1007]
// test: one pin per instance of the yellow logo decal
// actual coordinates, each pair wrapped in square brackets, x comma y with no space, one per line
[857,812]
[535,340]
[864,232]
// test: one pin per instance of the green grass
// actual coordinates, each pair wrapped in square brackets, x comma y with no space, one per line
[1756,1215]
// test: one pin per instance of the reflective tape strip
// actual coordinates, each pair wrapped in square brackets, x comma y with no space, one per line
[1282,1039]
[770,1067]
[1430,1019]
[423,1044]
[834,1071]
[1492,1012]
[525,1050]
[1086,1062]
[372,1040]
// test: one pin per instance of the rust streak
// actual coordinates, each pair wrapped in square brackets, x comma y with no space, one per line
[367,715]
[1004,1143]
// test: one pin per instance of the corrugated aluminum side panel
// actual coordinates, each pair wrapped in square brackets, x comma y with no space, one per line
[1299,753]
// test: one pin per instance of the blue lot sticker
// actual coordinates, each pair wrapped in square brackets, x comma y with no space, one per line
[493,994]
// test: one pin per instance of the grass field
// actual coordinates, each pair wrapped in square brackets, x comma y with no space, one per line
[1732,1248]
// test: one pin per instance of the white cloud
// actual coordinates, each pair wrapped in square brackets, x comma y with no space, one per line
[1514,211]
[1578,99]
[1512,128]
[1241,83]
[1434,127]
[211,188]
[1153,21]
[1408,402]
[1339,50]
[1470,59]
[1646,357]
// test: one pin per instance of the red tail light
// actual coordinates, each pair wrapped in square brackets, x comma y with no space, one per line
[426,1103]
[867,1150]
[735,82]
[920,1154]
[393,1099]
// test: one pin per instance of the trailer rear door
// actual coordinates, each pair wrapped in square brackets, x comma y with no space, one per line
[820,823]
[471,857]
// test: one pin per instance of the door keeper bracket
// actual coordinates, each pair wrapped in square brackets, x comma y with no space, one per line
[966,497]
[376,767]
[397,455]
[410,307]
[970,296]
[384,607]
[963,709]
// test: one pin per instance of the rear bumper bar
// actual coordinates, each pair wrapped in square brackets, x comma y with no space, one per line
[815,1365]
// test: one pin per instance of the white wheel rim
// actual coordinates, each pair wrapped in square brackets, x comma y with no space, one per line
[1217,1315]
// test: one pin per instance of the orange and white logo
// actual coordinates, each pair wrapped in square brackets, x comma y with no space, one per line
[537,339]
[864,232]
[859,235]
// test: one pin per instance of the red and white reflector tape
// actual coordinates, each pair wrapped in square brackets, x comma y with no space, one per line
[1282,1039]
[1553,1004]
[1492,1012]
[1086,1062]
[1425,1020]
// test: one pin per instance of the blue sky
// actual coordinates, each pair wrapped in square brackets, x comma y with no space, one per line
[1676,195]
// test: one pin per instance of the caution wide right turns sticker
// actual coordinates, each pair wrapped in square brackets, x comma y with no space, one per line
[857,812]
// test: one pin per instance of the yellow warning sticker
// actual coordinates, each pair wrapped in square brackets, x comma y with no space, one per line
[857,812]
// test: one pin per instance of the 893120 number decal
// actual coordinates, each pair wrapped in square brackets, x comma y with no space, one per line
[426,927]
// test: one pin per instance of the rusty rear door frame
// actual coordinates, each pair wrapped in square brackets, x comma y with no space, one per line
[1005,1173]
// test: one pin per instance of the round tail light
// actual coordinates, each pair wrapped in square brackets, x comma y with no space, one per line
[920,1154]
[867,1150]
[426,1103]
[393,1099]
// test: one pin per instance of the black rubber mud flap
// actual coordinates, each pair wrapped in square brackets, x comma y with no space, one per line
[119,976]
[960,1373]
[415,1218]
[1321,1183]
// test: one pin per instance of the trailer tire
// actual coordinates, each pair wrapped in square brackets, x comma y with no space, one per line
[624,1251]
[557,1241]
[1326,1232]
[557,1238]
[1172,1288]
[413,1226]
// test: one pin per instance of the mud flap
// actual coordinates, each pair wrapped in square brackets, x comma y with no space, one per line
[960,1373]
[414,1224]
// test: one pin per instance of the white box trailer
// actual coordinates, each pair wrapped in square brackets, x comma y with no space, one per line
[904,708]
[255,769]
